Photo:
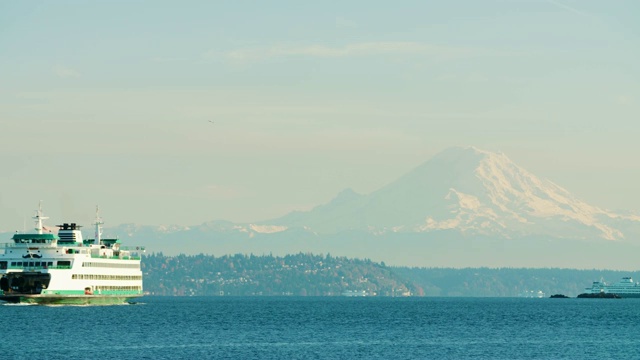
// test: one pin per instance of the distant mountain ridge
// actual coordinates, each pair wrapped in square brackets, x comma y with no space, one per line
[470,190]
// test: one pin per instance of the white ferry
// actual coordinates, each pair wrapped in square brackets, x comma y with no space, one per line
[64,268]
[625,288]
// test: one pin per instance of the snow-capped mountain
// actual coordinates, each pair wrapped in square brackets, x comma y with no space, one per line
[471,191]
[465,207]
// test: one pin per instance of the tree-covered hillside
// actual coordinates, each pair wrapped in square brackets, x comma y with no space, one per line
[300,274]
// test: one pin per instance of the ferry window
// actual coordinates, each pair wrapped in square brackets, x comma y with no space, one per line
[3,264]
[19,263]
[50,263]
[31,264]
[64,263]
[13,263]
[37,263]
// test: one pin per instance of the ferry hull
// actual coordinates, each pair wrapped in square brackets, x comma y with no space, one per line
[68,300]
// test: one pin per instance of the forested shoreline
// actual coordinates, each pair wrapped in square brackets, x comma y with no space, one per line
[307,274]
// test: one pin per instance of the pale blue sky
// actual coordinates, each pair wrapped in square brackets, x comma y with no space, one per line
[109,103]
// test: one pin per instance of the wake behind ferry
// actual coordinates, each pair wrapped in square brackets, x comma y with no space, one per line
[63,268]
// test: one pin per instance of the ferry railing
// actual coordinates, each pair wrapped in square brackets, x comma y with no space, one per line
[131,257]
[25,245]
[70,249]
[63,245]
[133,248]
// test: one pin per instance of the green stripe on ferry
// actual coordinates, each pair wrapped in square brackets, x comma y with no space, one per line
[35,237]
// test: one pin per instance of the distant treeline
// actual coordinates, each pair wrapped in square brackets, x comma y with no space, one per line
[326,275]
[250,275]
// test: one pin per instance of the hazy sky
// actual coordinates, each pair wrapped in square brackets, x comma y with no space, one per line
[112,103]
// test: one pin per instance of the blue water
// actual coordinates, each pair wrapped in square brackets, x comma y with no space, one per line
[326,328]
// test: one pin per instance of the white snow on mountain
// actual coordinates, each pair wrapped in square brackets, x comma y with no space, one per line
[506,198]
[267,229]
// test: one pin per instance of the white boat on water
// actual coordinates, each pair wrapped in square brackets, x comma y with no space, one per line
[63,268]
[625,288]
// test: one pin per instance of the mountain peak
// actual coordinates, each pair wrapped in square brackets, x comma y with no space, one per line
[345,195]
[468,156]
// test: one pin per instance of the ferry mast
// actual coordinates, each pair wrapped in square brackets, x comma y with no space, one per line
[98,223]
[38,218]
